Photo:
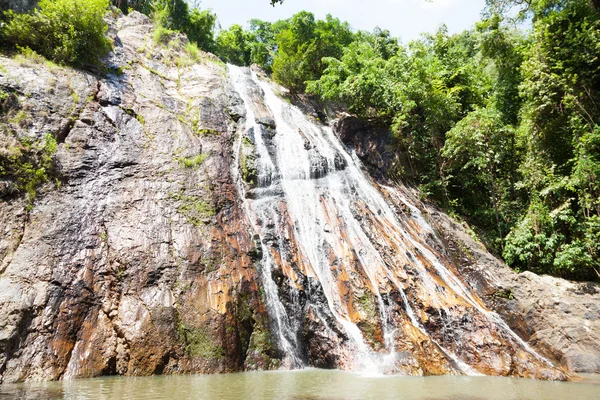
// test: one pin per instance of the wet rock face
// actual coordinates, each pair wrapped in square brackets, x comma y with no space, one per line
[373,144]
[138,262]
[558,318]
[197,223]
[561,319]
[353,275]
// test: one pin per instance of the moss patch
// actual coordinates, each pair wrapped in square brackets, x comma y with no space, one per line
[199,342]
[194,162]
[367,303]
[369,326]
[19,119]
[206,131]
[193,208]
[504,294]
[8,101]
[28,163]
[261,341]
[261,349]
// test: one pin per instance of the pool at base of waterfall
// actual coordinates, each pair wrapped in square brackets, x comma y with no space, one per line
[305,384]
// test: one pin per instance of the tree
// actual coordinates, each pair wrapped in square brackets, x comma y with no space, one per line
[559,110]
[234,45]
[478,148]
[200,28]
[303,45]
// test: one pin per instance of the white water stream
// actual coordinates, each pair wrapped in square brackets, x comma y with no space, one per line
[307,179]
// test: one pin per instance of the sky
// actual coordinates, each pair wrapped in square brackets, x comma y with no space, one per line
[405,19]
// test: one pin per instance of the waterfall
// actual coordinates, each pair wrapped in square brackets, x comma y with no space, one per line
[350,281]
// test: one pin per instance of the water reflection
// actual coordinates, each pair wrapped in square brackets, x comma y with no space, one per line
[307,384]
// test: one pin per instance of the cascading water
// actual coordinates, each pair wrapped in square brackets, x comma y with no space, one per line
[350,280]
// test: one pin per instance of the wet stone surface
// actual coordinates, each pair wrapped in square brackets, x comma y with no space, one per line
[203,224]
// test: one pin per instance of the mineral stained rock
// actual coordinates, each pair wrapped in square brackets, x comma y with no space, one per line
[142,252]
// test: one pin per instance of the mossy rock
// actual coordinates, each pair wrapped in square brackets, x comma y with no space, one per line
[195,209]
[199,342]
[248,162]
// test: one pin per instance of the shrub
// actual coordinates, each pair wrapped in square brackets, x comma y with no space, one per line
[193,162]
[176,15]
[27,163]
[162,35]
[69,32]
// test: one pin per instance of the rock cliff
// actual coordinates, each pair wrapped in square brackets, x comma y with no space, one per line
[133,258]
[138,252]
[561,319]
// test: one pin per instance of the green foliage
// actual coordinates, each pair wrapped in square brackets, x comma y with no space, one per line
[479,149]
[363,80]
[264,48]
[193,51]
[262,343]
[194,209]
[29,164]
[200,28]
[586,172]
[292,49]
[254,46]
[303,44]
[199,342]
[176,15]
[504,294]
[8,102]
[561,167]
[162,35]
[69,32]
[193,163]
[493,124]
[248,166]
[233,45]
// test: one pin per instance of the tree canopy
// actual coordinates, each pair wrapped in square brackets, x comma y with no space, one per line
[65,31]
[494,124]
[497,125]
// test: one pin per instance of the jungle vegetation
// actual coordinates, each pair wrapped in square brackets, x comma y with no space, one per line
[498,124]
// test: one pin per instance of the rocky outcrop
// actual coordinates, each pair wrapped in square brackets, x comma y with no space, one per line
[559,318]
[371,143]
[354,277]
[187,225]
[133,257]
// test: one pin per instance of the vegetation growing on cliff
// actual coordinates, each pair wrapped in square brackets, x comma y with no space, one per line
[176,15]
[194,209]
[199,342]
[495,124]
[65,31]
[26,162]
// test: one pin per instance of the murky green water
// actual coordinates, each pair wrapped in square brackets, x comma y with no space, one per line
[307,384]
